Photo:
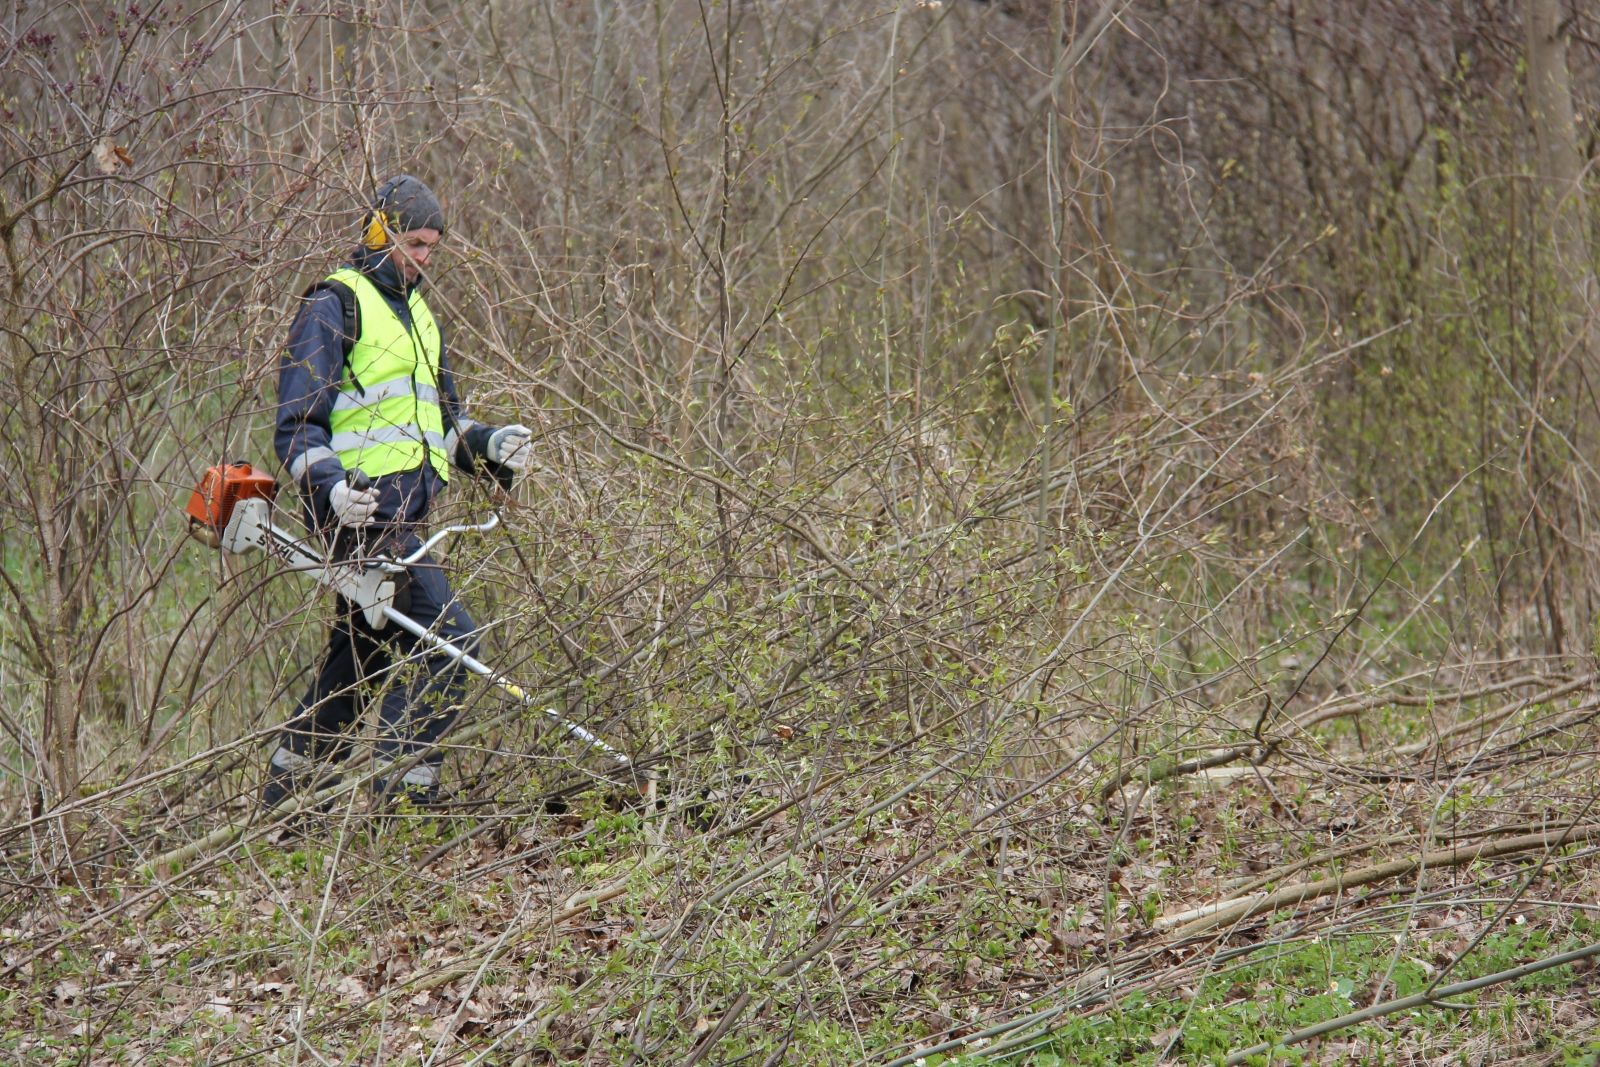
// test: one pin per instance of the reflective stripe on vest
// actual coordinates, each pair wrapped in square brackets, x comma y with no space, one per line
[387,419]
[377,394]
[372,436]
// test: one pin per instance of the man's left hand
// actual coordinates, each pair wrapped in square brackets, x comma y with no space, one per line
[511,446]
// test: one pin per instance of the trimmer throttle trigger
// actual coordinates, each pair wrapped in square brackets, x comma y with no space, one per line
[358,480]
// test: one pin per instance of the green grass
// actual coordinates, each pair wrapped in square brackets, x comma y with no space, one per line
[1286,987]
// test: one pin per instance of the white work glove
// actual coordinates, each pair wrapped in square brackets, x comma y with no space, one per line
[510,445]
[352,507]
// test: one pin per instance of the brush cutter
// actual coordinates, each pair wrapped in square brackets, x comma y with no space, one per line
[232,509]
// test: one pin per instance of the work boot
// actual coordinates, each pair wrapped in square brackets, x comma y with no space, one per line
[290,774]
[419,785]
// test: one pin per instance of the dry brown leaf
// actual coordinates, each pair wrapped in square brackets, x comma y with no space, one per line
[105,156]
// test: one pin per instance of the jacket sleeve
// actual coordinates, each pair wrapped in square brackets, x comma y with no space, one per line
[308,383]
[456,422]
[466,442]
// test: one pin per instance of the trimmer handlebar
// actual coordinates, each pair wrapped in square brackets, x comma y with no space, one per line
[482,527]
[360,481]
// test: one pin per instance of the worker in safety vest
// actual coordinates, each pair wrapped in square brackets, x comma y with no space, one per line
[365,385]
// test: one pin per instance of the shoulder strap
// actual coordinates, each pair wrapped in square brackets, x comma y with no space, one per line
[351,330]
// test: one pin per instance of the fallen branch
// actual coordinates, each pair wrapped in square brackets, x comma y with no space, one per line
[1494,717]
[1452,857]
[1340,708]
[1248,886]
[1159,771]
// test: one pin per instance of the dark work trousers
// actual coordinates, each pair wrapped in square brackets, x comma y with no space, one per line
[421,695]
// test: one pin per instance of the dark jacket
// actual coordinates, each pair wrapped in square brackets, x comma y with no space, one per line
[308,383]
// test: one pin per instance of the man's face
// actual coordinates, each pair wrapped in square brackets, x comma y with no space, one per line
[412,250]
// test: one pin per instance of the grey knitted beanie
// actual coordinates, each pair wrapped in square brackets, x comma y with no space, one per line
[408,204]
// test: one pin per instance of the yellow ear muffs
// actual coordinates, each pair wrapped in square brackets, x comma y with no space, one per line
[377,237]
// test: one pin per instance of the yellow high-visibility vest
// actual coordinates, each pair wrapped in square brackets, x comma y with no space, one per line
[387,417]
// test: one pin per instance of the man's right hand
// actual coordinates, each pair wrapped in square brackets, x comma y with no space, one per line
[352,507]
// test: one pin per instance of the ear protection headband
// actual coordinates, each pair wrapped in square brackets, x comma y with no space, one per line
[378,227]
[381,222]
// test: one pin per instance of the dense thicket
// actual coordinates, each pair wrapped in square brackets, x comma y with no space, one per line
[1028,398]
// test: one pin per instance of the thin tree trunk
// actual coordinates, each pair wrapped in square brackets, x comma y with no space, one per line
[1550,109]
[60,715]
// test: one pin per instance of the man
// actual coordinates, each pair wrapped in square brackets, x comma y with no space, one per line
[364,385]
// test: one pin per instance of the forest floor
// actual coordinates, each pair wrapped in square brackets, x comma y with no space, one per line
[872,910]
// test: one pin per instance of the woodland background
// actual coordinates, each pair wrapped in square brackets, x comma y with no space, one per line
[1012,474]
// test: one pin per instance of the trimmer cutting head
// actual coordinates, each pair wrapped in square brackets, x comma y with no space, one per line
[220,490]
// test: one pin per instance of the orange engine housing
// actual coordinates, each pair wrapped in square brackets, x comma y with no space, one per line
[212,502]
